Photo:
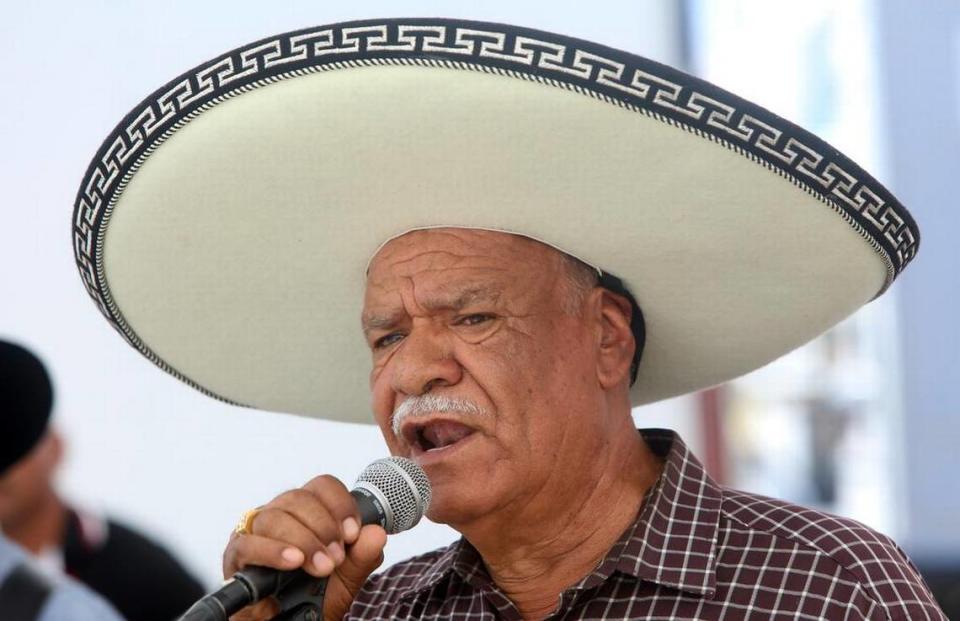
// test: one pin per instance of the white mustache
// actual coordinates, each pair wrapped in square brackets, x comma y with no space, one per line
[423,405]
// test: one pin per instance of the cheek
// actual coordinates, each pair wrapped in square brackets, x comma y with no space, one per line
[499,367]
[381,402]
[503,371]
[393,445]
[382,416]
[524,362]
[379,381]
[20,483]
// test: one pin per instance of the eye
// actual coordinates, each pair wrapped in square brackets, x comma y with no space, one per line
[387,340]
[474,319]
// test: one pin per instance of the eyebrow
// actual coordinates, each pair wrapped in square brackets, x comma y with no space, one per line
[461,300]
[378,322]
[467,297]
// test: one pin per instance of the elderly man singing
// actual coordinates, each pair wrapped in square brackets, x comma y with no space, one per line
[550,232]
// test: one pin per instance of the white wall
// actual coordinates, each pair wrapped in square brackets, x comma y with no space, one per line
[921,106]
[142,446]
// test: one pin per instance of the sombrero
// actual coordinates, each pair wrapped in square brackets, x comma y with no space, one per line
[225,225]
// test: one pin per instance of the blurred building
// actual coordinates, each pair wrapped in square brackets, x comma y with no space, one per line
[862,421]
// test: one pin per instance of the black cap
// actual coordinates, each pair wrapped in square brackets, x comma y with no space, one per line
[26,399]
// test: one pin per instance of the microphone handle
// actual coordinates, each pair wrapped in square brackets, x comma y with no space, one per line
[219,605]
[302,598]
[246,587]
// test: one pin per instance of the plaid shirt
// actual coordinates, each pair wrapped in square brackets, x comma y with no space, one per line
[696,551]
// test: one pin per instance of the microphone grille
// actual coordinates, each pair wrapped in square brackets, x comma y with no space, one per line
[405,488]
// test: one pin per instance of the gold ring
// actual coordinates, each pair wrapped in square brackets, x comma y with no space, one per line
[245,525]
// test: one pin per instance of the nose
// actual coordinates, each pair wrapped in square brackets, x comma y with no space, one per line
[424,362]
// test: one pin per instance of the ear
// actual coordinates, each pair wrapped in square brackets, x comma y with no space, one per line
[616,342]
[56,447]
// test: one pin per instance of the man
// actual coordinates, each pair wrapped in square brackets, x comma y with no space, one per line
[503,190]
[141,579]
[27,592]
[574,514]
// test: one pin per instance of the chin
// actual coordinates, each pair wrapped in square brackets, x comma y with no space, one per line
[456,509]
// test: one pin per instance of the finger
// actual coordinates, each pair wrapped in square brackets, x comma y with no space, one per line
[280,525]
[266,608]
[311,511]
[363,557]
[246,550]
[338,501]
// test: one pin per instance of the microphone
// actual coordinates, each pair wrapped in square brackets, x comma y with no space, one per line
[393,492]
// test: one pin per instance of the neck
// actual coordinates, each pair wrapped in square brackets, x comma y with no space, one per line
[533,569]
[41,527]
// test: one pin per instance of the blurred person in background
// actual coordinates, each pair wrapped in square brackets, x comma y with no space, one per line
[28,592]
[141,579]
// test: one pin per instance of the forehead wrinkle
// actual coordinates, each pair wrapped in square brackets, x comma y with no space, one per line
[372,320]
[436,270]
[459,299]
[455,300]
[418,255]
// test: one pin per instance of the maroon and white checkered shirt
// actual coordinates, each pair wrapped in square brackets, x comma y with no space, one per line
[696,551]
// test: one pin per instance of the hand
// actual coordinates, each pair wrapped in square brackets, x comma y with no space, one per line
[316,528]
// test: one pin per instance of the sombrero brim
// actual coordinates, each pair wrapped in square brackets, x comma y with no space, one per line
[225,225]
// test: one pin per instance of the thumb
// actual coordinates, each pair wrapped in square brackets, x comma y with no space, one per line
[362,558]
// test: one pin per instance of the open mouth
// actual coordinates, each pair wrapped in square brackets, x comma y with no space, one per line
[436,435]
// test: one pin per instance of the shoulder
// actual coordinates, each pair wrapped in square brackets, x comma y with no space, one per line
[125,547]
[92,542]
[857,548]
[838,546]
[122,538]
[11,555]
[136,574]
[72,602]
[67,600]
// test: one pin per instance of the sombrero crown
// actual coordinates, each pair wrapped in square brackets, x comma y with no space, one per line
[225,224]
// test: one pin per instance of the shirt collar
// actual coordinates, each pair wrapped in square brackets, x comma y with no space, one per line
[438,569]
[673,541]
[460,557]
